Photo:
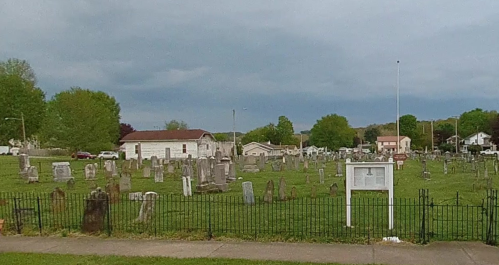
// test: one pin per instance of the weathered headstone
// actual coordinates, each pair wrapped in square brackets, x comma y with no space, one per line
[276,166]
[90,172]
[248,195]
[113,189]
[94,215]
[305,166]
[187,186]
[154,161]
[261,162]
[218,156]
[268,197]
[125,182]
[203,183]
[232,173]
[297,164]
[32,174]
[146,172]
[147,208]
[135,196]
[170,169]
[167,155]
[134,165]
[23,164]
[293,193]
[158,173]
[58,198]
[445,167]
[61,171]
[220,180]
[333,190]
[139,155]
[70,184]
[321,175]
[339,169]
[282,189]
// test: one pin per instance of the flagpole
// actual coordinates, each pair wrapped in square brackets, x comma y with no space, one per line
[398,107]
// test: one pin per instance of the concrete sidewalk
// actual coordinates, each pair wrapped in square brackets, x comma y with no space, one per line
[441,253]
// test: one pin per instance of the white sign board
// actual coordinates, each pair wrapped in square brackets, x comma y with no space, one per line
[369,176]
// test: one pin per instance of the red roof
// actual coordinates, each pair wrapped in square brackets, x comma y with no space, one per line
[162,135]
[389,138]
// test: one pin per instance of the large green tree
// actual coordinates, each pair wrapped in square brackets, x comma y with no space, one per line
[256,135]
[285,131]
[81,119]
[409,127]
[221,137]
[332,131]
[176,125]
[19,98]
[476,120]
[371,134]
[494,125]
[443,132]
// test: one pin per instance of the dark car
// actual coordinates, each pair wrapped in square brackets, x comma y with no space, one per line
[84,155]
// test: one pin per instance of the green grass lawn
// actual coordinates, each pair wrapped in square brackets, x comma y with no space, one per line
[225,215]
[43,259]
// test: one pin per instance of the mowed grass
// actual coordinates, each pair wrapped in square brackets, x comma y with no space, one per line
[408,182]
[43,259]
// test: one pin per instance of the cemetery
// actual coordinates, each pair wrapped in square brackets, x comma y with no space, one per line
[426,197]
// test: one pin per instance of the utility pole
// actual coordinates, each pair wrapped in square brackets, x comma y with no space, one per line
[457,151]
[398,107]
[234,130]
[432,147]
[24,130]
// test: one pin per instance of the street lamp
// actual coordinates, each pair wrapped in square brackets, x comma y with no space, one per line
[24,129]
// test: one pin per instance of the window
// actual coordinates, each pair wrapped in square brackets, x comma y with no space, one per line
[207,147]
[184,148]
[136,149]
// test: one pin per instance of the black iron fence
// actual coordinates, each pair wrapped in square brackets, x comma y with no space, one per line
[322,219]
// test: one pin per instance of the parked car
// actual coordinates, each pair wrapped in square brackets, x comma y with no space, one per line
[84,155]
[108,155]
[489,152]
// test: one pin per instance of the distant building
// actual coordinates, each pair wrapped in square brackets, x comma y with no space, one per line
[389,144]
[482,139]
[268,149]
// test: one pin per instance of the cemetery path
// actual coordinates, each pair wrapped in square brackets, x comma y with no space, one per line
[441,253]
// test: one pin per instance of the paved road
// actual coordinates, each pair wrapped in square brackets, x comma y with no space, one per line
[441,253]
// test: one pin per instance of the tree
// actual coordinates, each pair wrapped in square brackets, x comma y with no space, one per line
[20,68]
[285,131]
[221,137]
[409,127]
[494,125]
[125,129]
[19,97]
[333,132]
[443,132]
[356,141]
[79,119]
[474,121]
[257,135]
[371,134]
[176,125]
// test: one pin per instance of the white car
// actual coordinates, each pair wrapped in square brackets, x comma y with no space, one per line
[489,152]
[108,155]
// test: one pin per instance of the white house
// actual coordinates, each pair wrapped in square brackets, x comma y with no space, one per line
[389,144]
[268,149]
[197,143]
[481,139]
[310,150]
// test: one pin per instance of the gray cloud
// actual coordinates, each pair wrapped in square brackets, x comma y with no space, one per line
[197,60]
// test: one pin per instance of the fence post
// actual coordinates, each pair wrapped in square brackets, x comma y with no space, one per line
[17,217]
[108,216]
[423,204]
[491,204]
[39,214]
[210,232]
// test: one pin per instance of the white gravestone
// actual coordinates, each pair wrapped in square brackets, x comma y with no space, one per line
[61,171]
[321,175]
[369,176]
[90,172]
[147,207]
[158,174]
[186,183]
[248,195]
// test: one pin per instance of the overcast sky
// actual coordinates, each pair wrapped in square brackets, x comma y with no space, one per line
[197,60]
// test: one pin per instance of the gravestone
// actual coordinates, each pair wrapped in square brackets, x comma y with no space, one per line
[305,166]
[307,179]
[339,169]
[250,164]
[321,175]
[293,193]
[114,169]
[313,194]
[203,183]
[170,169]
[268,197]
[58,199]
[226,162]
[134,165]
[90,172]
[147,208]
[297,164]
[261,162]
[282,189]
[61,171]
[113,189]
[426,173]
[125,182]
[94,215]
[70,184]
[154,161]
[218,156]
[220,181]
[135,196]
[146,172]
[158,174]
[187,186]
[276,166]
[333,190]
[445,167]
[23,165]
[32,174]
[139,155]
[232,173]
[185,171]
[125,167]
[167,155]
[248,195]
